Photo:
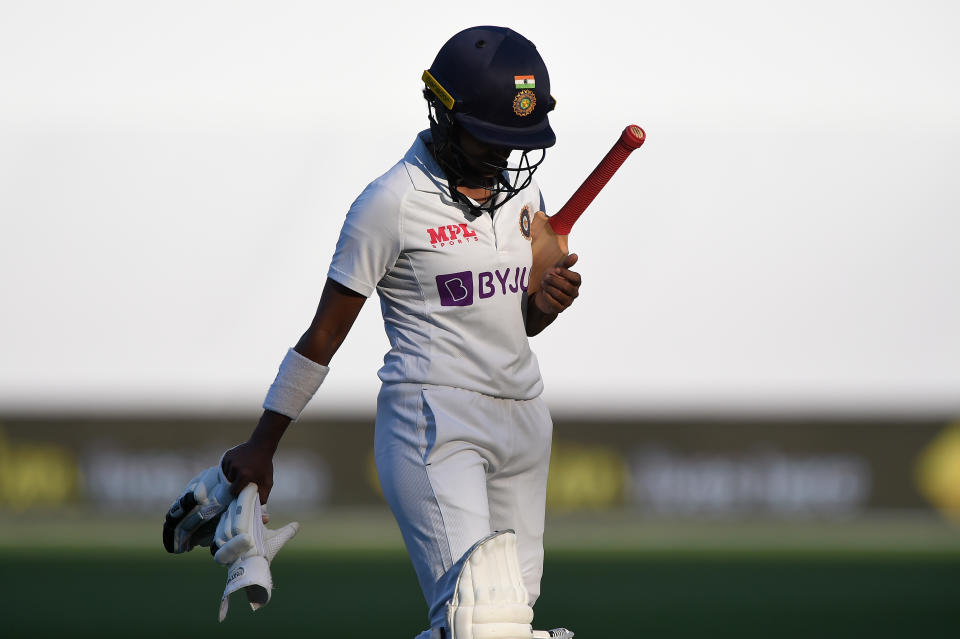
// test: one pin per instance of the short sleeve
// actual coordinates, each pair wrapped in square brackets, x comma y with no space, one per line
[369,242]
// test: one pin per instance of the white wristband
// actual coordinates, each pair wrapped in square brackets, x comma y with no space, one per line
[298,379]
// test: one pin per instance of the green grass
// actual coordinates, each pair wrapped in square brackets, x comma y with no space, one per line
[603,595]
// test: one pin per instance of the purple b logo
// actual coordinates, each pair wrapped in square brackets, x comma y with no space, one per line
[456,289]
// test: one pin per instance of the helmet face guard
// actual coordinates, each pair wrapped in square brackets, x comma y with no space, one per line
[501,180]
[488,85]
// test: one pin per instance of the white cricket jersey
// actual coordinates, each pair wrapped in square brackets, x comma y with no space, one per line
[451,283]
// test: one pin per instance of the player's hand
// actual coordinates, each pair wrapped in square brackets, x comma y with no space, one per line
[249,463]
[558,287]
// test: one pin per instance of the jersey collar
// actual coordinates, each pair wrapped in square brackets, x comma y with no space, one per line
[425,174]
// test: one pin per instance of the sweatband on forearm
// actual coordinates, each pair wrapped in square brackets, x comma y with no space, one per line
[298,379]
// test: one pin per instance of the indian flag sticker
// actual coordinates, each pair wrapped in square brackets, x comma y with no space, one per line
[524,82]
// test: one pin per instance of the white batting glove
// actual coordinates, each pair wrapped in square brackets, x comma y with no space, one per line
[192,519]
[247,547]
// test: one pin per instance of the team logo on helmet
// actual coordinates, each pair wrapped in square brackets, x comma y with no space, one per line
[524,103]
[525,222]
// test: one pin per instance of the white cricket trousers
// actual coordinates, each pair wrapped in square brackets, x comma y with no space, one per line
[456,465]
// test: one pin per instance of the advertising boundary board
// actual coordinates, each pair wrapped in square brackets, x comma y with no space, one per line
[726,468]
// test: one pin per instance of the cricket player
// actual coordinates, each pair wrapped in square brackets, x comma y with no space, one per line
[462,441]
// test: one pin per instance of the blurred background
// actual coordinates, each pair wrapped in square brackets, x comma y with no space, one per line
[756,397]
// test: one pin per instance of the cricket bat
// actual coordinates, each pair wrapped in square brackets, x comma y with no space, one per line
[549,234]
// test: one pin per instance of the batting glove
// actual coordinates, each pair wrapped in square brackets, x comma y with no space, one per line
[247,547]
[192,519]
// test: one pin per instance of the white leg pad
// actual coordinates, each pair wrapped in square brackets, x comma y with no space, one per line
[490,600]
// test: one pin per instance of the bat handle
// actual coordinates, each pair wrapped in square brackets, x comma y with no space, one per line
[630,140]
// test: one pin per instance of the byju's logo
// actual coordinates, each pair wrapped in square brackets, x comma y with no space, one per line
[457,289]
[452,234]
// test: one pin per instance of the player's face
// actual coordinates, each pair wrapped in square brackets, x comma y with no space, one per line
[484,160]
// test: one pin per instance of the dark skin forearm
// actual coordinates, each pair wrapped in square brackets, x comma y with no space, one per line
[536,319]
[252,461]
[338,309]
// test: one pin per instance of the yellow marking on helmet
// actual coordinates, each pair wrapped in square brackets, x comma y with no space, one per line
[445,98]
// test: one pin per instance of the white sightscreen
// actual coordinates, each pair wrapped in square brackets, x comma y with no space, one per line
[173,177]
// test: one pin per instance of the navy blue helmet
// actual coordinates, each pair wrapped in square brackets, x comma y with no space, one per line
[491,83]
[496,85]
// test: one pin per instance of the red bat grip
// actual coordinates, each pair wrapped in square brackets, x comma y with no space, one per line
[564,219]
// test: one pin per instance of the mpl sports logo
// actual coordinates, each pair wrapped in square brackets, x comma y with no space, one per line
[451,234]
[461,289]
